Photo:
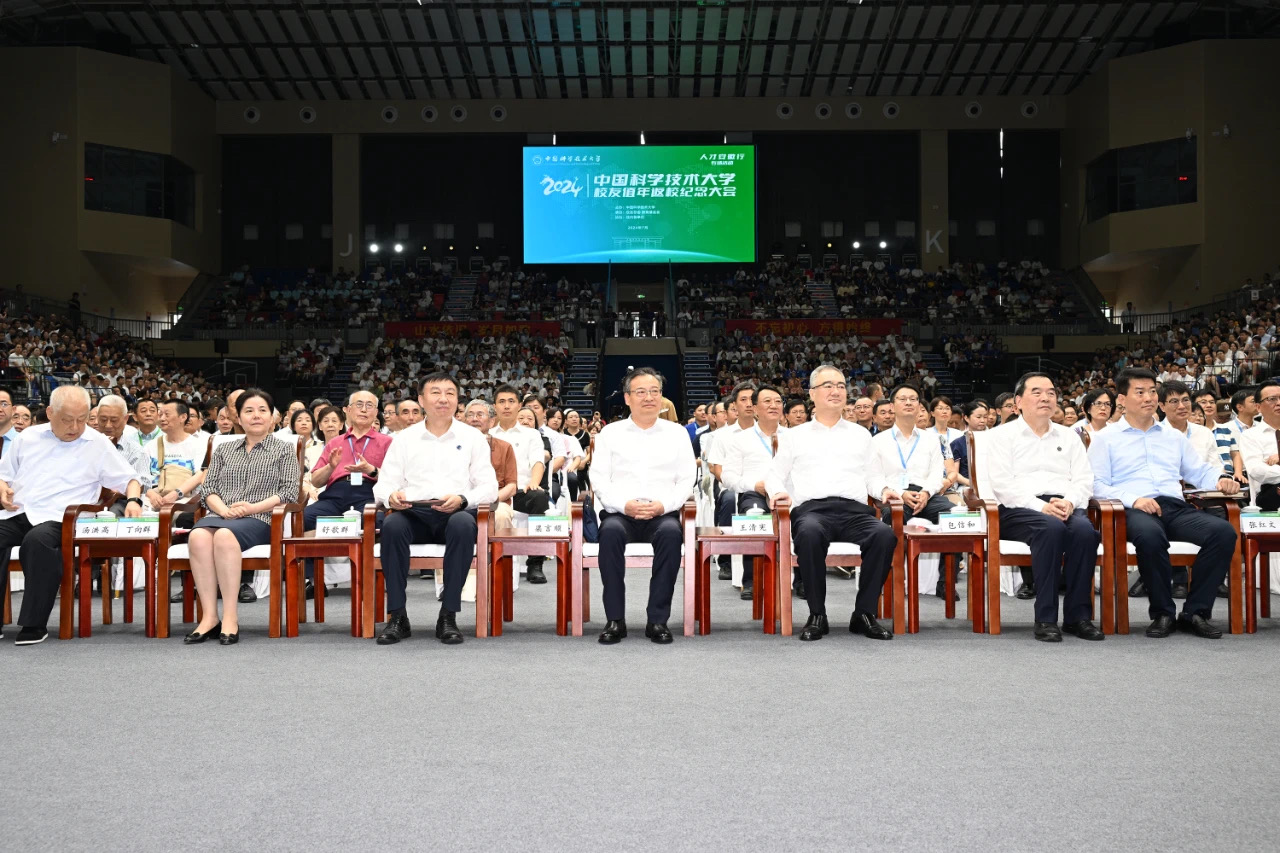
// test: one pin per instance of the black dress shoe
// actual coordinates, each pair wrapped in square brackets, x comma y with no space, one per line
[1200,626]
[658,632]
[941,591]
[815,627]
[1085,630]
[1224,591]
[866,625]
[747,594]
[1161,627]
[311,590]
[1025,592]
[535,575]
[1048,632]
[228,639]
[799,589]
[1179,590]
[196,637]
[1138,590]
[397,629]
[176,597]
[613,632]
[447,627]
[247,595]
[726,573]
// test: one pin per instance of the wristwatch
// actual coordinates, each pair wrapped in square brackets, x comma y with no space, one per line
[464,503]
[137,501]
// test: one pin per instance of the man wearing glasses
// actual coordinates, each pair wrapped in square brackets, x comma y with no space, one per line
[7,432]
[821,469]
[1259,449]
[1142,463]
[348,466]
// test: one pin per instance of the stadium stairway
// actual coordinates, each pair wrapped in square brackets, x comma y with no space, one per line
[947,384]
[823,297]
[460,298]
[341,385]
[699,378]
[584,367]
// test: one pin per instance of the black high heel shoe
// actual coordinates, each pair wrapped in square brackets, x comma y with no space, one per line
[228,639]
[196,637]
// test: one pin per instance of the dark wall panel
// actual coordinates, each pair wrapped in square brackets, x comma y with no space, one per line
[271,182]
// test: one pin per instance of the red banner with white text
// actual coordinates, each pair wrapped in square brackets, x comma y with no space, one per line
[821,327]
[474,329]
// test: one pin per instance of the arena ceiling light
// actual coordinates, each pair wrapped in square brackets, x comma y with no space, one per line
[857,245]
[883,244]
[373,248]
[398,247]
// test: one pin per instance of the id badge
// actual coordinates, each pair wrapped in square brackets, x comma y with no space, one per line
[356,478]
[903,481]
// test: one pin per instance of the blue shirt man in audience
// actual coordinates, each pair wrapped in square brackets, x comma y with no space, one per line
[1142,463]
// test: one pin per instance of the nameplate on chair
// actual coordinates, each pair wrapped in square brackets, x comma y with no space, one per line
[962,522]
[753,525]
[549,525]
[1260,522]
[143,527]
[96,528]
[337,527]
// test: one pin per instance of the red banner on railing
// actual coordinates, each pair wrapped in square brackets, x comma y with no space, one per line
[878,327]
[474,329]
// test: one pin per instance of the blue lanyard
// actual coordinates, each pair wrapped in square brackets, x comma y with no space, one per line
[907,458]
[351,442]
[760,435]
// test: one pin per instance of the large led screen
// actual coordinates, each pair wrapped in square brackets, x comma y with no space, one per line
[640,204]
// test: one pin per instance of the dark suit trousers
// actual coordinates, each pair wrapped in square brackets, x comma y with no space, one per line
[1059,551]
[423,525]
[746,501]
[40,552]
[339,497]
[725,501]
[1181,522]
[666,537]
[816,524]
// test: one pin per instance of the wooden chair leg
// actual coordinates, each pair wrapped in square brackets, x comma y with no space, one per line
[1122,593]
[1250,595]
[704,604]
[949,583]
[1107,594]
[976,590]
[294,604]
[318,582]
[86,595]
[913,588]
[1264,577]
[380,598]
[692,590]
[126,585]
[357,607]
[993,596]
[188,598]
[765,578]
[149,585]
[104,586]
[501,578]
[586,596]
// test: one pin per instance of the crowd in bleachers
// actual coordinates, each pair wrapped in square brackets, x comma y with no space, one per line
[309,363]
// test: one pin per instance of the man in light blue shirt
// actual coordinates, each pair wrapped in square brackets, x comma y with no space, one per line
[1142,463]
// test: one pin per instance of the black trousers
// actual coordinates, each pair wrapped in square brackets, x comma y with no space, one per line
[339,497]
[933,508]
[747,501]
[40,552]
[423,525]
[725,501]
[1059,551]
[664,534]
[1179,521]
[816,524]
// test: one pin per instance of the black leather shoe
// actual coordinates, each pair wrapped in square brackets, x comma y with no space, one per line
[1161,627]
[247,595]
[866,625]
[1224,591]
[815,627]
[658,632]
[176,597]
[1025,592]
[1048,632]
[613,632]
[311,590]
[747,594]
[397,629]
[1180,590]
[196,637]
[447,627]
[228,639]
[534,575]
[941,591]
[1085,630]
[1200,626]
[799,589]
[726,573]
[1138,590]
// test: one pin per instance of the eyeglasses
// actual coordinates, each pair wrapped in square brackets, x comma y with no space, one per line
[830,386]
[364,405]
[1270,400]
[644,393]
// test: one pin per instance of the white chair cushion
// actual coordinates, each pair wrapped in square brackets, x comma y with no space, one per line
[257,552]
[634,549]
[837,549]
[1185,548]
[417,551]
[1013,548]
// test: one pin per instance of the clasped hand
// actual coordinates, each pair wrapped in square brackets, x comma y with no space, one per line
[1059,508]
[642,510]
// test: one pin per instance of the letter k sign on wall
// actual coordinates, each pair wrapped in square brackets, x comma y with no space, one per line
[933,242]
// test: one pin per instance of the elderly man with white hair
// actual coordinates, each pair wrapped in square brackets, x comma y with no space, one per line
[113,418]
[48,468]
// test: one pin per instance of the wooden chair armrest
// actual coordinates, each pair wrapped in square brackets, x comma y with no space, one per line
[278,512]
[71,513]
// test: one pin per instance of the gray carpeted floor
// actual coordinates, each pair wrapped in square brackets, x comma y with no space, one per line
[941,741]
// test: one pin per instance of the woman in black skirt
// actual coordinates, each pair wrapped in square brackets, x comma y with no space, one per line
[246,478]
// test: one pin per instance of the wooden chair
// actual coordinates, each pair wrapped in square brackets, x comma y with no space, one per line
[505,544]
[947,544]
[722,541]
[1257,549]
[1003,553]
[89,550]
[177,558]
[844,554]
[585,556]
[306,545]
[373,591]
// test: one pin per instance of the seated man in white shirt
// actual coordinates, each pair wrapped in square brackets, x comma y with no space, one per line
[46,469]
[821,466]
[1038,472]
[739,404]
[642,472]
[434,475]
[1260,450]
[747,457]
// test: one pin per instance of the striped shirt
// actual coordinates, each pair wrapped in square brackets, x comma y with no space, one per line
[1227,437]
[269,469]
